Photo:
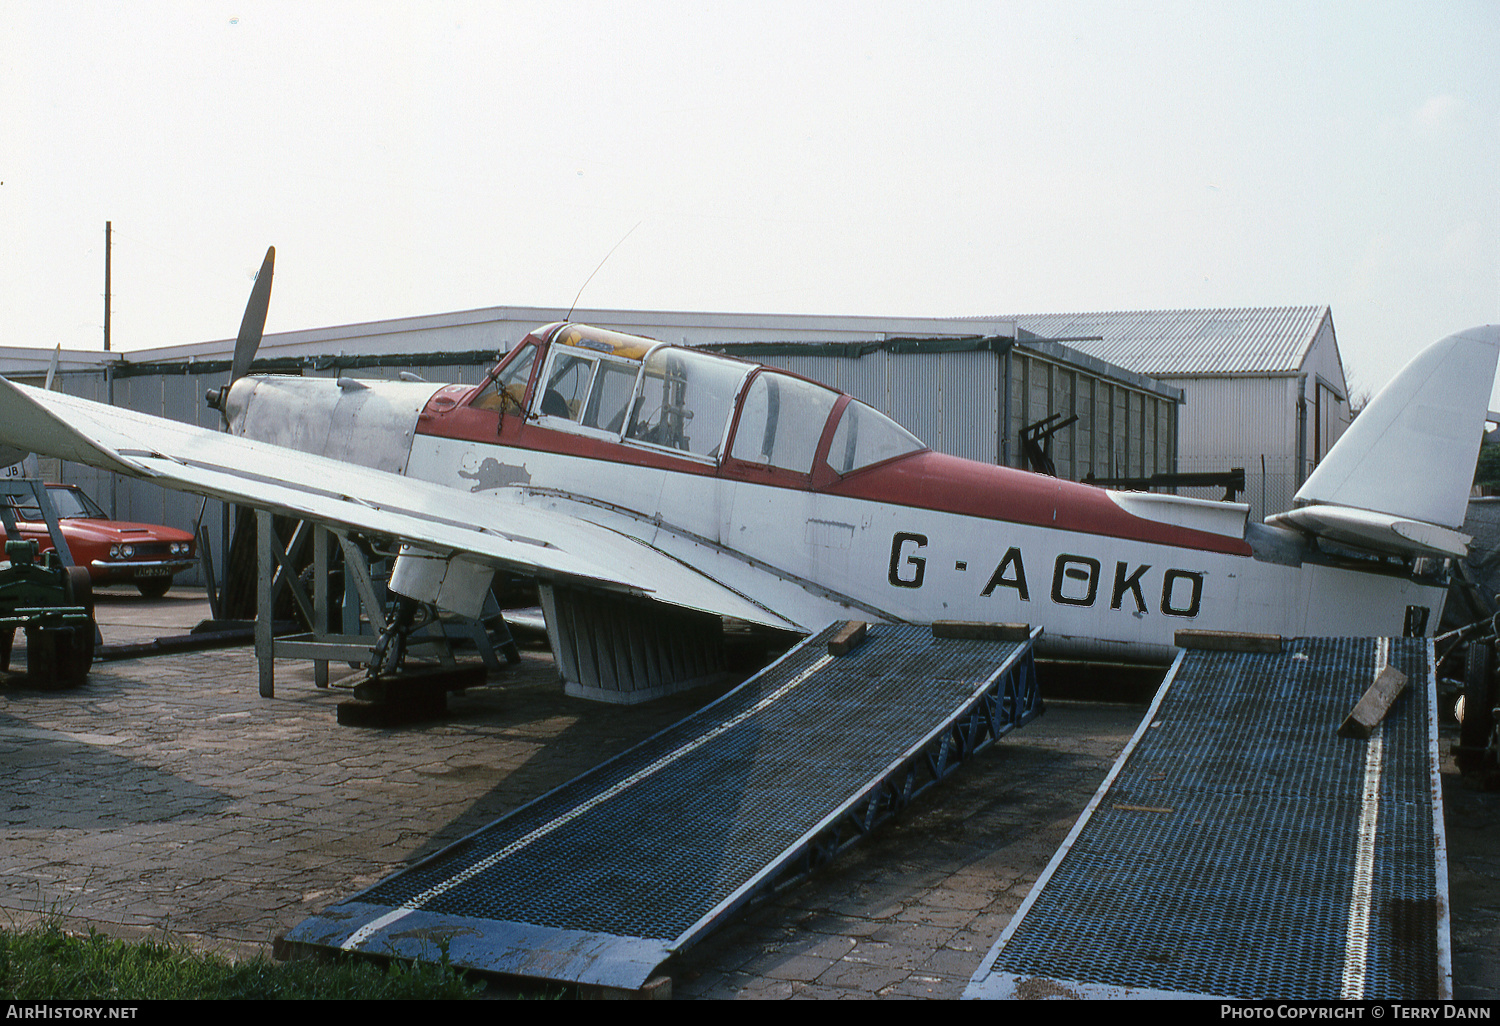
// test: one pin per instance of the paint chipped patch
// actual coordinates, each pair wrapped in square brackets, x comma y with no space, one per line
[492,474]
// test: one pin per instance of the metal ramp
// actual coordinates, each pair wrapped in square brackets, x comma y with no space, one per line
[603,879]
[1241,849]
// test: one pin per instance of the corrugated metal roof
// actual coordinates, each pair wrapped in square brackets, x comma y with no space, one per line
[1176,343]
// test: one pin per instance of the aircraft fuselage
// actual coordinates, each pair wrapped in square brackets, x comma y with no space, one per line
[1096,595]
[814,506]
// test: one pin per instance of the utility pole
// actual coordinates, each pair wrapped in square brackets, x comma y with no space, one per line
[108,242]
[109,371]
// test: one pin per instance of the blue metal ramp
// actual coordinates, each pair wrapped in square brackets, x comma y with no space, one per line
[1240,848]
[603,879]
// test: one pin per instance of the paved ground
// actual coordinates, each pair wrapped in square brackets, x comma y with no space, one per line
[165,796]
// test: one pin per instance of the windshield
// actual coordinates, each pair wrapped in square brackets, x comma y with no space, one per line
[866,437]
[507,389]
[69,503]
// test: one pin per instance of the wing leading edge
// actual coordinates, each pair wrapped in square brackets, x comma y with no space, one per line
[545,543]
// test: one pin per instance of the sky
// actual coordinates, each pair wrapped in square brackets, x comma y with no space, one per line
[935,159]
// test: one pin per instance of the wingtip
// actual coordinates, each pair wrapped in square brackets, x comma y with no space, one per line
[29,416]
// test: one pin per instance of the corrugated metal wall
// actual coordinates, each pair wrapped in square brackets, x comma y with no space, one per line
[1249,422]
[1120,432]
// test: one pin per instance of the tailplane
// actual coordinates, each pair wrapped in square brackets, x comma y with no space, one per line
[1399,478]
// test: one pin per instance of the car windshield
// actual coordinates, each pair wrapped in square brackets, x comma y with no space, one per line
[70,503]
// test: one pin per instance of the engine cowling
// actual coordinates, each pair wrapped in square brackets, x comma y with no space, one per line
[369,423]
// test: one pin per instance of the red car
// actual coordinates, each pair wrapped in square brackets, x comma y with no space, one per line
[146,555]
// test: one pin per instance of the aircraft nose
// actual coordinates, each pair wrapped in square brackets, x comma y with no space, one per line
[235,400]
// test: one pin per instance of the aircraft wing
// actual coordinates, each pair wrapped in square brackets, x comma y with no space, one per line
[486,527]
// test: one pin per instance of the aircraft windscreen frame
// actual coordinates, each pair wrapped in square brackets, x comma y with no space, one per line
[686,402]
[865,437]
[782,419]
[697,394]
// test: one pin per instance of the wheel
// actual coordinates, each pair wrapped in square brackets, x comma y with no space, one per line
[81,589]
[1479,703]
[153,587]
[83,649]
[79,657]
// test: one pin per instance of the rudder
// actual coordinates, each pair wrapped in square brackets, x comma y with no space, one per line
[1410,453]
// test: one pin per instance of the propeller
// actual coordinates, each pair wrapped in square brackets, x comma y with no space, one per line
[252,328]
[52,368]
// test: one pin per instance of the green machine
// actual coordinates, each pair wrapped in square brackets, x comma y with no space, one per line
[54,605]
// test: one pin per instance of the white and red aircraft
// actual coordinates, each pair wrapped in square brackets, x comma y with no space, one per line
[611,465]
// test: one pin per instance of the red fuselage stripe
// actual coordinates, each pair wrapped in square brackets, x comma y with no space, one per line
[924,480]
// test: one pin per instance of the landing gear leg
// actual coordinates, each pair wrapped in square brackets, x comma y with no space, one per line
[390,650]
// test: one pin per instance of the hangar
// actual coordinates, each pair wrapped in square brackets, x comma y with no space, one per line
[1263,387]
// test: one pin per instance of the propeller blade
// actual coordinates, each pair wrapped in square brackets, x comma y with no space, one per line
[254,324]
[52,367]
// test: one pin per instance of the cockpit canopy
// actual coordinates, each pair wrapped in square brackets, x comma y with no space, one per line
[688,402]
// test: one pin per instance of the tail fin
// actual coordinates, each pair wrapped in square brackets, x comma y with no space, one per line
[1410,453]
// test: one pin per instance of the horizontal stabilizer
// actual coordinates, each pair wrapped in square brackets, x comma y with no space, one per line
[1379,531]
[1410,453]
[1221,518]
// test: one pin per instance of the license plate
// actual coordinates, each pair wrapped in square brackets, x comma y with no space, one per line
[153,571]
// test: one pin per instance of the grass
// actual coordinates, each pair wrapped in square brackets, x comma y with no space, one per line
[47,963]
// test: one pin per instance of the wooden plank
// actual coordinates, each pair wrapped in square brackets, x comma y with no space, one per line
[849,637]
[1229,641]
[970,631]
[1371,709]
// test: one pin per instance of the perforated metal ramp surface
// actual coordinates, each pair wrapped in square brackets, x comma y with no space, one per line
[1241,849]
[604,878]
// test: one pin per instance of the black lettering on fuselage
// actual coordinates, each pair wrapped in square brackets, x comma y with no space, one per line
[999,579]
[1075,581]
[902,559]
[1131,584]
[1169,603]
[1075,568]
